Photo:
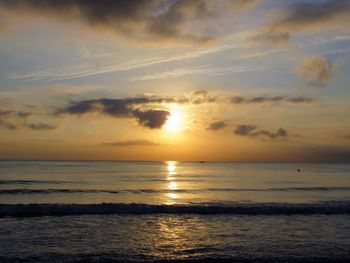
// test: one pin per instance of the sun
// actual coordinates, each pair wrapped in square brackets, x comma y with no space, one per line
[174,122]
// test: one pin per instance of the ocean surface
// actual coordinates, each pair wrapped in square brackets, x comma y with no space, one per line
[94,211]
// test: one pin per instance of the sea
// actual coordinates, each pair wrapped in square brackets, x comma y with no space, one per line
[136,211]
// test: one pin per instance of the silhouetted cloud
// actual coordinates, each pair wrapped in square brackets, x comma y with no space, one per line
[41,126]
[218,125]
[139,19]
[131,143]
[256,100]
[252,131]
[317,70]
[151,118]
[132,107]
[244,129]
[121,108]
[12,120]
[301,16]
[306,16]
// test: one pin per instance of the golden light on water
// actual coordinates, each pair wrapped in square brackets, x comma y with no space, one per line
[172,185]
[172,196]
[171,168]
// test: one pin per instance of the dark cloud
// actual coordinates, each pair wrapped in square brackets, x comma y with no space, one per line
[139,19]
[304,17]
[132,107]
[90,11]
[256,100]
[41,126]
[218,125]
[272,135]
[151,118]
[121,108]
[244,130]
[12,120]
[301,16]
[131,143]
[169,23]
[253,131]
[317,70]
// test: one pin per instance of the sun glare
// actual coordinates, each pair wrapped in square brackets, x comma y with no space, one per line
[174,122]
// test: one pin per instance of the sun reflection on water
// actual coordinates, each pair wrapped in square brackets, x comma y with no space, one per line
[171,186]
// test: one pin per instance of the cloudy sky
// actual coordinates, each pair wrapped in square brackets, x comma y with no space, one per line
[219,80]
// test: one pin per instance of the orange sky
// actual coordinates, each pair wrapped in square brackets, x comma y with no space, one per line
[175,80]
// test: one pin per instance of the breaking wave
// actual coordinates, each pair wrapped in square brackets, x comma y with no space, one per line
[150,191]
[329,208]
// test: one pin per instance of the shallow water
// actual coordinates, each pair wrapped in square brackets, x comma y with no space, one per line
[168,211]
[171,182]
[103,238]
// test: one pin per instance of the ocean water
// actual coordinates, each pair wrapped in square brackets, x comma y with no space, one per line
[58,211]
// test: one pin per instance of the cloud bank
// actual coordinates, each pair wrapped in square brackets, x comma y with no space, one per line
[132,107]
[120,108]
[252,131]
[159,20]
[306,17]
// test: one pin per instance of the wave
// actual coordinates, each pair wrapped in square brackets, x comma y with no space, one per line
[32,182]
[155,191]
[11,181]
[53,191]
[329,208]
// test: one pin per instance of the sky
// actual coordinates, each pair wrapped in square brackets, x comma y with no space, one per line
[212,80]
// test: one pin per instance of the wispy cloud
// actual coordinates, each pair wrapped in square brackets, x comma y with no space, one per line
[208,70]
[115,63]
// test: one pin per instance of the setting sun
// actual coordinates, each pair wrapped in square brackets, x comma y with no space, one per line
[174,122]
[175,130]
